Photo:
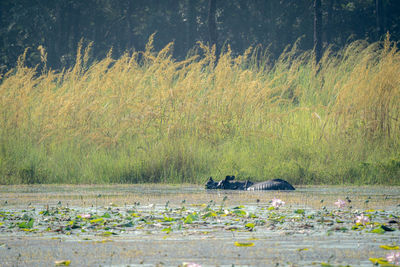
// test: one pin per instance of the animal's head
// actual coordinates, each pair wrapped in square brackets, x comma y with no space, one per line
[227,183]
[229,178]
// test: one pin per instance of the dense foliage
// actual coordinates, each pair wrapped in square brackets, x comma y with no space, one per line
[58,26]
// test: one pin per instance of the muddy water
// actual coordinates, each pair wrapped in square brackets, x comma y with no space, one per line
[148,225]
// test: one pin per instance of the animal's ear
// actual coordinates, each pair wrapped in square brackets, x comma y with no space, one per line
[210,179]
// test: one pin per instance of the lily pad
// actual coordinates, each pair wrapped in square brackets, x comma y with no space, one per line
[244,244]
[62,263]
[389,247]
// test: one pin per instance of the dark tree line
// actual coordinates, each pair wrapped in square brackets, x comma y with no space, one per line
[59,25]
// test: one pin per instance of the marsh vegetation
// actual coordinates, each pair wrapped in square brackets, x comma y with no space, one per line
[146,117]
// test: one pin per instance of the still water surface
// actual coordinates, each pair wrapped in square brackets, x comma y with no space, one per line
[307,231]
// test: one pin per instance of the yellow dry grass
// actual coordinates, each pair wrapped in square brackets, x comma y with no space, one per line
[147,101]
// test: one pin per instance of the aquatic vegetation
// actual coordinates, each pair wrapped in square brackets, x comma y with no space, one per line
[112,220]
[390,247]
[241,244]
[392,259]
[245,227]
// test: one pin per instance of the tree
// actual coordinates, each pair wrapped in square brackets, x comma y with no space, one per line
[329,25]
[212,25]
[317,30]
[379,18]
[126,25]
[190,24]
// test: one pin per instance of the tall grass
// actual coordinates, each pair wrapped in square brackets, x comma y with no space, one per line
[148,118]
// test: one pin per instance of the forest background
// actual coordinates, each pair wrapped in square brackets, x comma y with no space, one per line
[134,91]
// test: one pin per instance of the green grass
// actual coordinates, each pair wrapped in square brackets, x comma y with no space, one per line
[147,118]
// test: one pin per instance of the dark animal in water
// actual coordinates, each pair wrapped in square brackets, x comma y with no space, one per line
[275,184]
[211,184]
[229,183]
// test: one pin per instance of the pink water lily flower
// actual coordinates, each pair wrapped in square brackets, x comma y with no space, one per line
[362,219]
[393,257]
[85,216]
[340,203]
[276,202]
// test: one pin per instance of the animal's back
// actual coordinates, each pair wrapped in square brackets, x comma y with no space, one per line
[275,184]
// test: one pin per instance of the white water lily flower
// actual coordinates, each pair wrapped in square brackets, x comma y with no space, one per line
[362,219]
[393,257]
[276,202]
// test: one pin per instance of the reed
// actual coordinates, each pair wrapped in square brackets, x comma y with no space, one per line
[146,117]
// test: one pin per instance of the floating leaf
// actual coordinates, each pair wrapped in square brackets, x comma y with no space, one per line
[252,215]
[167,230]
[102,241]
[299,211]
[29,230]
[389,247]
[168,219]
[387,229]
[302,249]
[372,210]
[191,217]
[26,225]
[209,214]
[106,215]
[378,230]
[381,230]
[107,233]
[128,224]
[246,244]
[231,228]
[250,225]
[377,261]
[343,229]
[45,212]
[99,220]
[239,212]
[62,263]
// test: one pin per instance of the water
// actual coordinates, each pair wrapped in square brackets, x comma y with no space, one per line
[148,225]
